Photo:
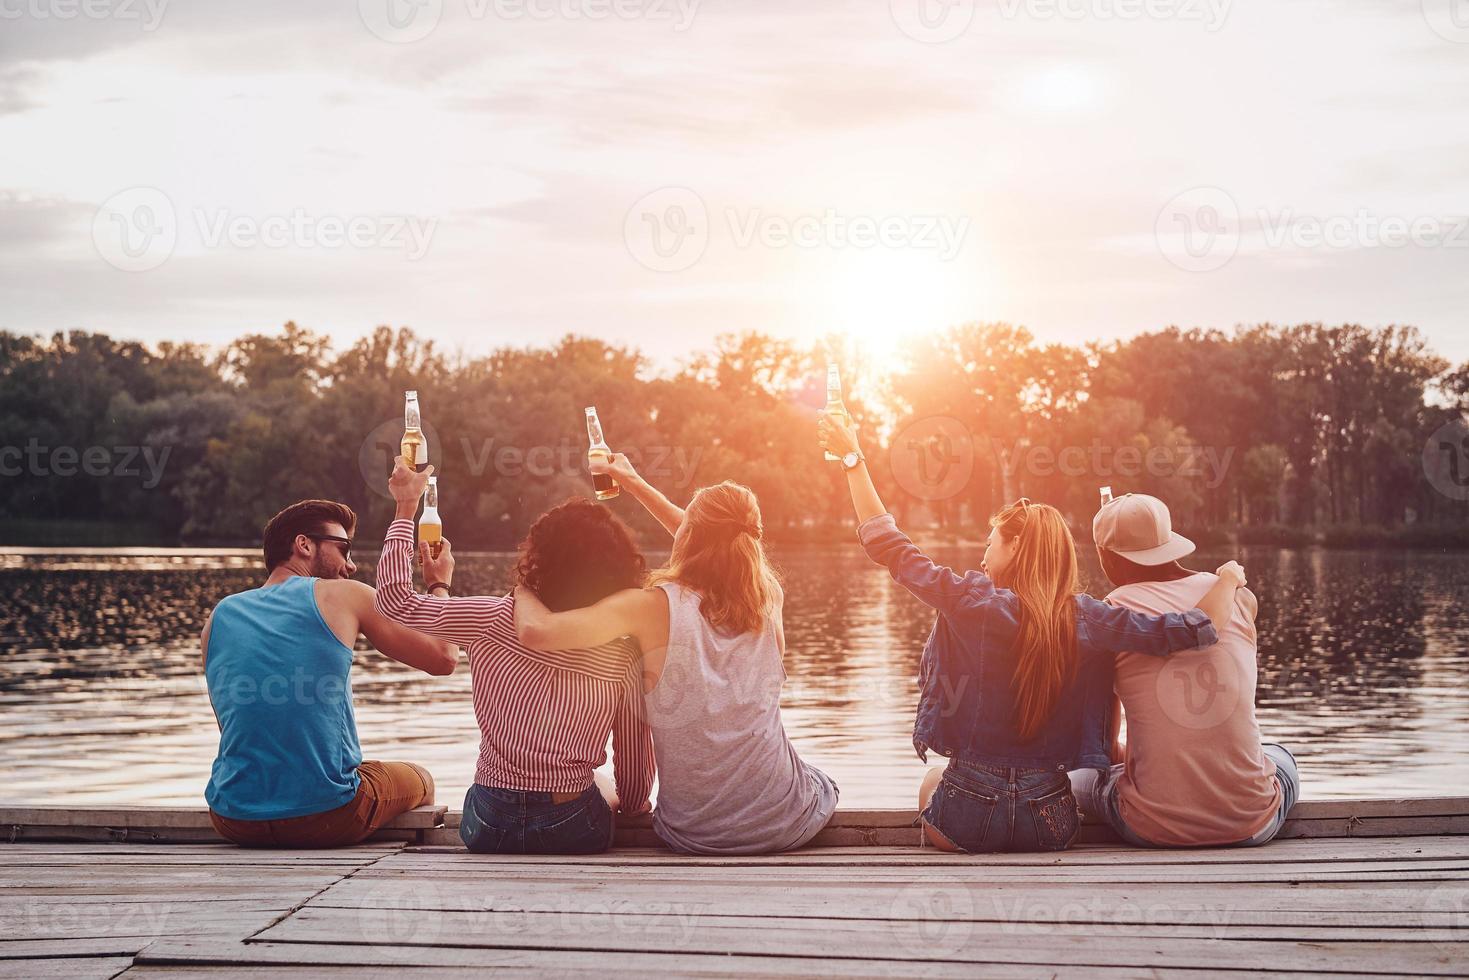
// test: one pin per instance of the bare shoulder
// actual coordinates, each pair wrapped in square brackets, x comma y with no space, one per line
[344,593]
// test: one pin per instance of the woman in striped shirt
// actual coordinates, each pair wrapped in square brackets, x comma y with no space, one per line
[729,780]
[544,720]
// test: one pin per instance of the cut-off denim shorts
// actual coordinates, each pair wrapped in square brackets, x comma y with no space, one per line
[512,821]
[983,808]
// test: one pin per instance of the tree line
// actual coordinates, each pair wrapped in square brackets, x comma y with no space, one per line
[1297,429]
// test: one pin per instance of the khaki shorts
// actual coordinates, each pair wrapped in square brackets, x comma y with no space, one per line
[387,789]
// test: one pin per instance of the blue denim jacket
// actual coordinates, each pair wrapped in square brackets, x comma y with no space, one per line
[966,703]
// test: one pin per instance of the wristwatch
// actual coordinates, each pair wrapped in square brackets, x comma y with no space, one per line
[851,461]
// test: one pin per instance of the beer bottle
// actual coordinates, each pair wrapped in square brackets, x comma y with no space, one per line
[415,446]
[603,483]
[834,403]
[430,527]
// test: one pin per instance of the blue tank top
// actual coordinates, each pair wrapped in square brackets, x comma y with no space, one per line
[281,686]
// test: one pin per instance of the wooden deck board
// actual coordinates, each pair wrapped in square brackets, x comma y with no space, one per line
[1354,905]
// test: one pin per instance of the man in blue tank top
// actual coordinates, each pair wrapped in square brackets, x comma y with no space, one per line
[278,661]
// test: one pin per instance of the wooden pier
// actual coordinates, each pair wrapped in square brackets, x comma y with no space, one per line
[1356,888]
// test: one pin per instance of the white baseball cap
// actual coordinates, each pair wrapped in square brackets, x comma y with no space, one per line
[1140,529]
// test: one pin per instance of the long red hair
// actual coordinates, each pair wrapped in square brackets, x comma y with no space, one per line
[718,553]
[1044,575]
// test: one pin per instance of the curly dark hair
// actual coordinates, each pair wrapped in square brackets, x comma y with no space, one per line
[577,553]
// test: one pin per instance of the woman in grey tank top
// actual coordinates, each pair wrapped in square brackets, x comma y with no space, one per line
[729,780]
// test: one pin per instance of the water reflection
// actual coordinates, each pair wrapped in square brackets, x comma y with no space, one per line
[1363,670]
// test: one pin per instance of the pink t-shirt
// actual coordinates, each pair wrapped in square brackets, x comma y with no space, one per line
[1195,771]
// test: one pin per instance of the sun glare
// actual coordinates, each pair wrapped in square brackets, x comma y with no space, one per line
[884,298]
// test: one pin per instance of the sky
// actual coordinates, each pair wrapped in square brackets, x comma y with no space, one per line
[659,172]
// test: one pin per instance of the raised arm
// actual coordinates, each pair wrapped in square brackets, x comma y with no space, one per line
[458,620]
[639,613]
[667,513]
[837,437]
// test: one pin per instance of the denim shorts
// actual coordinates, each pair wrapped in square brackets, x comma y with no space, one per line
[983,808]
[1097,791]
[512,821]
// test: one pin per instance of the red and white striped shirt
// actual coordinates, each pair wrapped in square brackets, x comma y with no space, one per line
[543,717]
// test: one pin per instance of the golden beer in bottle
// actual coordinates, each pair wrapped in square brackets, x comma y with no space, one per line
[834,403]
[415,445]
[602,483]
[430,527]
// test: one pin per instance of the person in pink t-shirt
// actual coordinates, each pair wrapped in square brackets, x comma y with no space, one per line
[1194,772]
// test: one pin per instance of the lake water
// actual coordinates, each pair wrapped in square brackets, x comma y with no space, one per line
[1364,673]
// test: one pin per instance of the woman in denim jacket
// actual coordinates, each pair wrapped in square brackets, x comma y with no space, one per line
[1016,676]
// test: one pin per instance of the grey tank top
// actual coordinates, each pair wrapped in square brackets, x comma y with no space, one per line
[729,780]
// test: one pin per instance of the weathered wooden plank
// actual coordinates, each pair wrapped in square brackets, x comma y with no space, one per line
[1299,850]
[602,964]
[648,963]
[618,930]
[28,949]
[168,817]
[33,919]
[72,968]
[934,945]
[814,898]
[774,875]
